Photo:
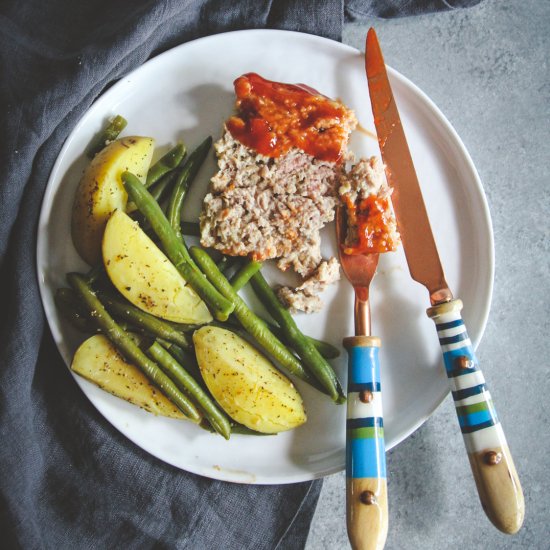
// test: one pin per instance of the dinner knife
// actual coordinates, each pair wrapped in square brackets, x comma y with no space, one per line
[490,459]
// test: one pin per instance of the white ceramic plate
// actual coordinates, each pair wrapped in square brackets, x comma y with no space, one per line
[186,93]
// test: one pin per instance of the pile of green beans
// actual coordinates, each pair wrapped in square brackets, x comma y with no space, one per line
[164,351]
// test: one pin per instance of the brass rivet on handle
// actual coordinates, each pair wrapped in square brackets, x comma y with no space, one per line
[492,458]
[365,396]
[464,362]
[367,497]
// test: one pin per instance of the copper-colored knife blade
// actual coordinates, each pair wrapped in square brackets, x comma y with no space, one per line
[412,218]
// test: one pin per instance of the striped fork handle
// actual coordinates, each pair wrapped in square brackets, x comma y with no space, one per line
[366,496]
[492,465]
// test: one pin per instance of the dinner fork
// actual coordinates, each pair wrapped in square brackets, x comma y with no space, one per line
[366,489]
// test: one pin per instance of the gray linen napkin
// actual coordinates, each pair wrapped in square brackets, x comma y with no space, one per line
[68,479]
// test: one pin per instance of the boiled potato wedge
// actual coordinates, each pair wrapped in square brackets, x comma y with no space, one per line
[145,276]
[98,361]
[101,192]
[245,384]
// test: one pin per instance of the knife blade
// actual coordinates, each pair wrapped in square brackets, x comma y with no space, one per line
[492,465]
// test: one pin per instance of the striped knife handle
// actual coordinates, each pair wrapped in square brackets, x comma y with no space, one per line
[366,491]
[492,465]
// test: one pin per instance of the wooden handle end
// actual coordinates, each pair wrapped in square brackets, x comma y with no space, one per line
[499,488]
[367,513]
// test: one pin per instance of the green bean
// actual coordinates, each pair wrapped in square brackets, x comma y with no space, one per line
[243,430]
[189,385]
[223,262]
[158,189]
[184,358]
[235,429]
[244,274]
[220,307]
[68,305]
[185,177]
[311,357]
[144,321]
[255,326]
[127,347]
[165,164]
[328,351]
[95,273]
[190,228]
[108,134]
[227,262]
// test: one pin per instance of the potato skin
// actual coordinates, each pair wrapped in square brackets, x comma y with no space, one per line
[98,361]
[245,383]
[101,192]
[145,276]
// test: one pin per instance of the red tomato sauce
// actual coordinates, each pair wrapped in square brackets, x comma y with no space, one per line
[274,117]
[371,219]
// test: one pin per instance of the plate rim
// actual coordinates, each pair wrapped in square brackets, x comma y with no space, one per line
[442,121]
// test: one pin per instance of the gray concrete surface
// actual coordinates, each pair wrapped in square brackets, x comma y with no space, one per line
[487,70]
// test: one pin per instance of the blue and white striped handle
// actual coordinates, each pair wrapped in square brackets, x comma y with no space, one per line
[366,495]
[492,465]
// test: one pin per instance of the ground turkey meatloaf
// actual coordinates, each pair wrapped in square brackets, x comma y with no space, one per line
[281,162]
[371,222]
[265,207]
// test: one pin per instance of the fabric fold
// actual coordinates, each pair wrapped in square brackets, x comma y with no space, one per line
[68,479]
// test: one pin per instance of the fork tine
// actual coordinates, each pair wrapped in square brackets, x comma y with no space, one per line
[358,268]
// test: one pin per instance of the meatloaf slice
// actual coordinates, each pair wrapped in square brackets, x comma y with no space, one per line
[283,166]
[269,207]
